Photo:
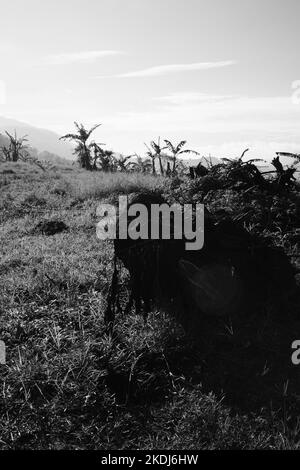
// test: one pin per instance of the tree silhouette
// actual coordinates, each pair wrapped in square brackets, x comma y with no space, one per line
[141,165]
[123,163]
[17,149]
[176,151]
[155,151]
[82,149]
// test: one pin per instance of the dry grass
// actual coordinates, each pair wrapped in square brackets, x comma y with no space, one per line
[88,185]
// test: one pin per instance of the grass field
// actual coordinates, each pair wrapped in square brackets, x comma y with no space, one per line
[68,385]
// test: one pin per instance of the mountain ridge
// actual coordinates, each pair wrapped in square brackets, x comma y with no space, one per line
[43,140]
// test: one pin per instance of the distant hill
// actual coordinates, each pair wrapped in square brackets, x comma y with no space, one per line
[41,139]
[55,159]
[3,140]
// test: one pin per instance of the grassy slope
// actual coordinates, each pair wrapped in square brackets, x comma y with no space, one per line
[68,385]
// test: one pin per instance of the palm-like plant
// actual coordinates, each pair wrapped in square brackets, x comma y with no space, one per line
[17,149]
[177,150]
[155,151]
[141,165]
[296,156]
[82,149]
[123,164]
[152,157]
[285,176]
[5,153]
[107,161]
[233,164]
[236,171]
[98,152]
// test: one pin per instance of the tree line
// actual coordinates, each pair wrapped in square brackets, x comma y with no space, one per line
[92,156]
[161,158]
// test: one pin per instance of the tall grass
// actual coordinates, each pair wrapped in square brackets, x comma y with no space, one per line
[97,185]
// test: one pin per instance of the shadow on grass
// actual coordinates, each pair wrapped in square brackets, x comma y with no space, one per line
[248,361]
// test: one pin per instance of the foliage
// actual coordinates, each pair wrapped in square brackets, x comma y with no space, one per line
[82,149]
[176,151]
[154,151]
[141,165]
[16,149]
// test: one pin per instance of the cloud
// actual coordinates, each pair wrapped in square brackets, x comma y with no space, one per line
[184,98]
[240,114]
[173,68]
[78,57]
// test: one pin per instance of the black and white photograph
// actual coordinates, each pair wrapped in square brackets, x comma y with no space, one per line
[149,228]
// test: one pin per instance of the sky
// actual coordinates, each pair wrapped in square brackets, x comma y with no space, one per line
[222,74]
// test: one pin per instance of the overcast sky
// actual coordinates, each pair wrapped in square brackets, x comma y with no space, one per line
[217,73]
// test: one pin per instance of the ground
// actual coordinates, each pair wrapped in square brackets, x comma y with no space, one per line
[67,384]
